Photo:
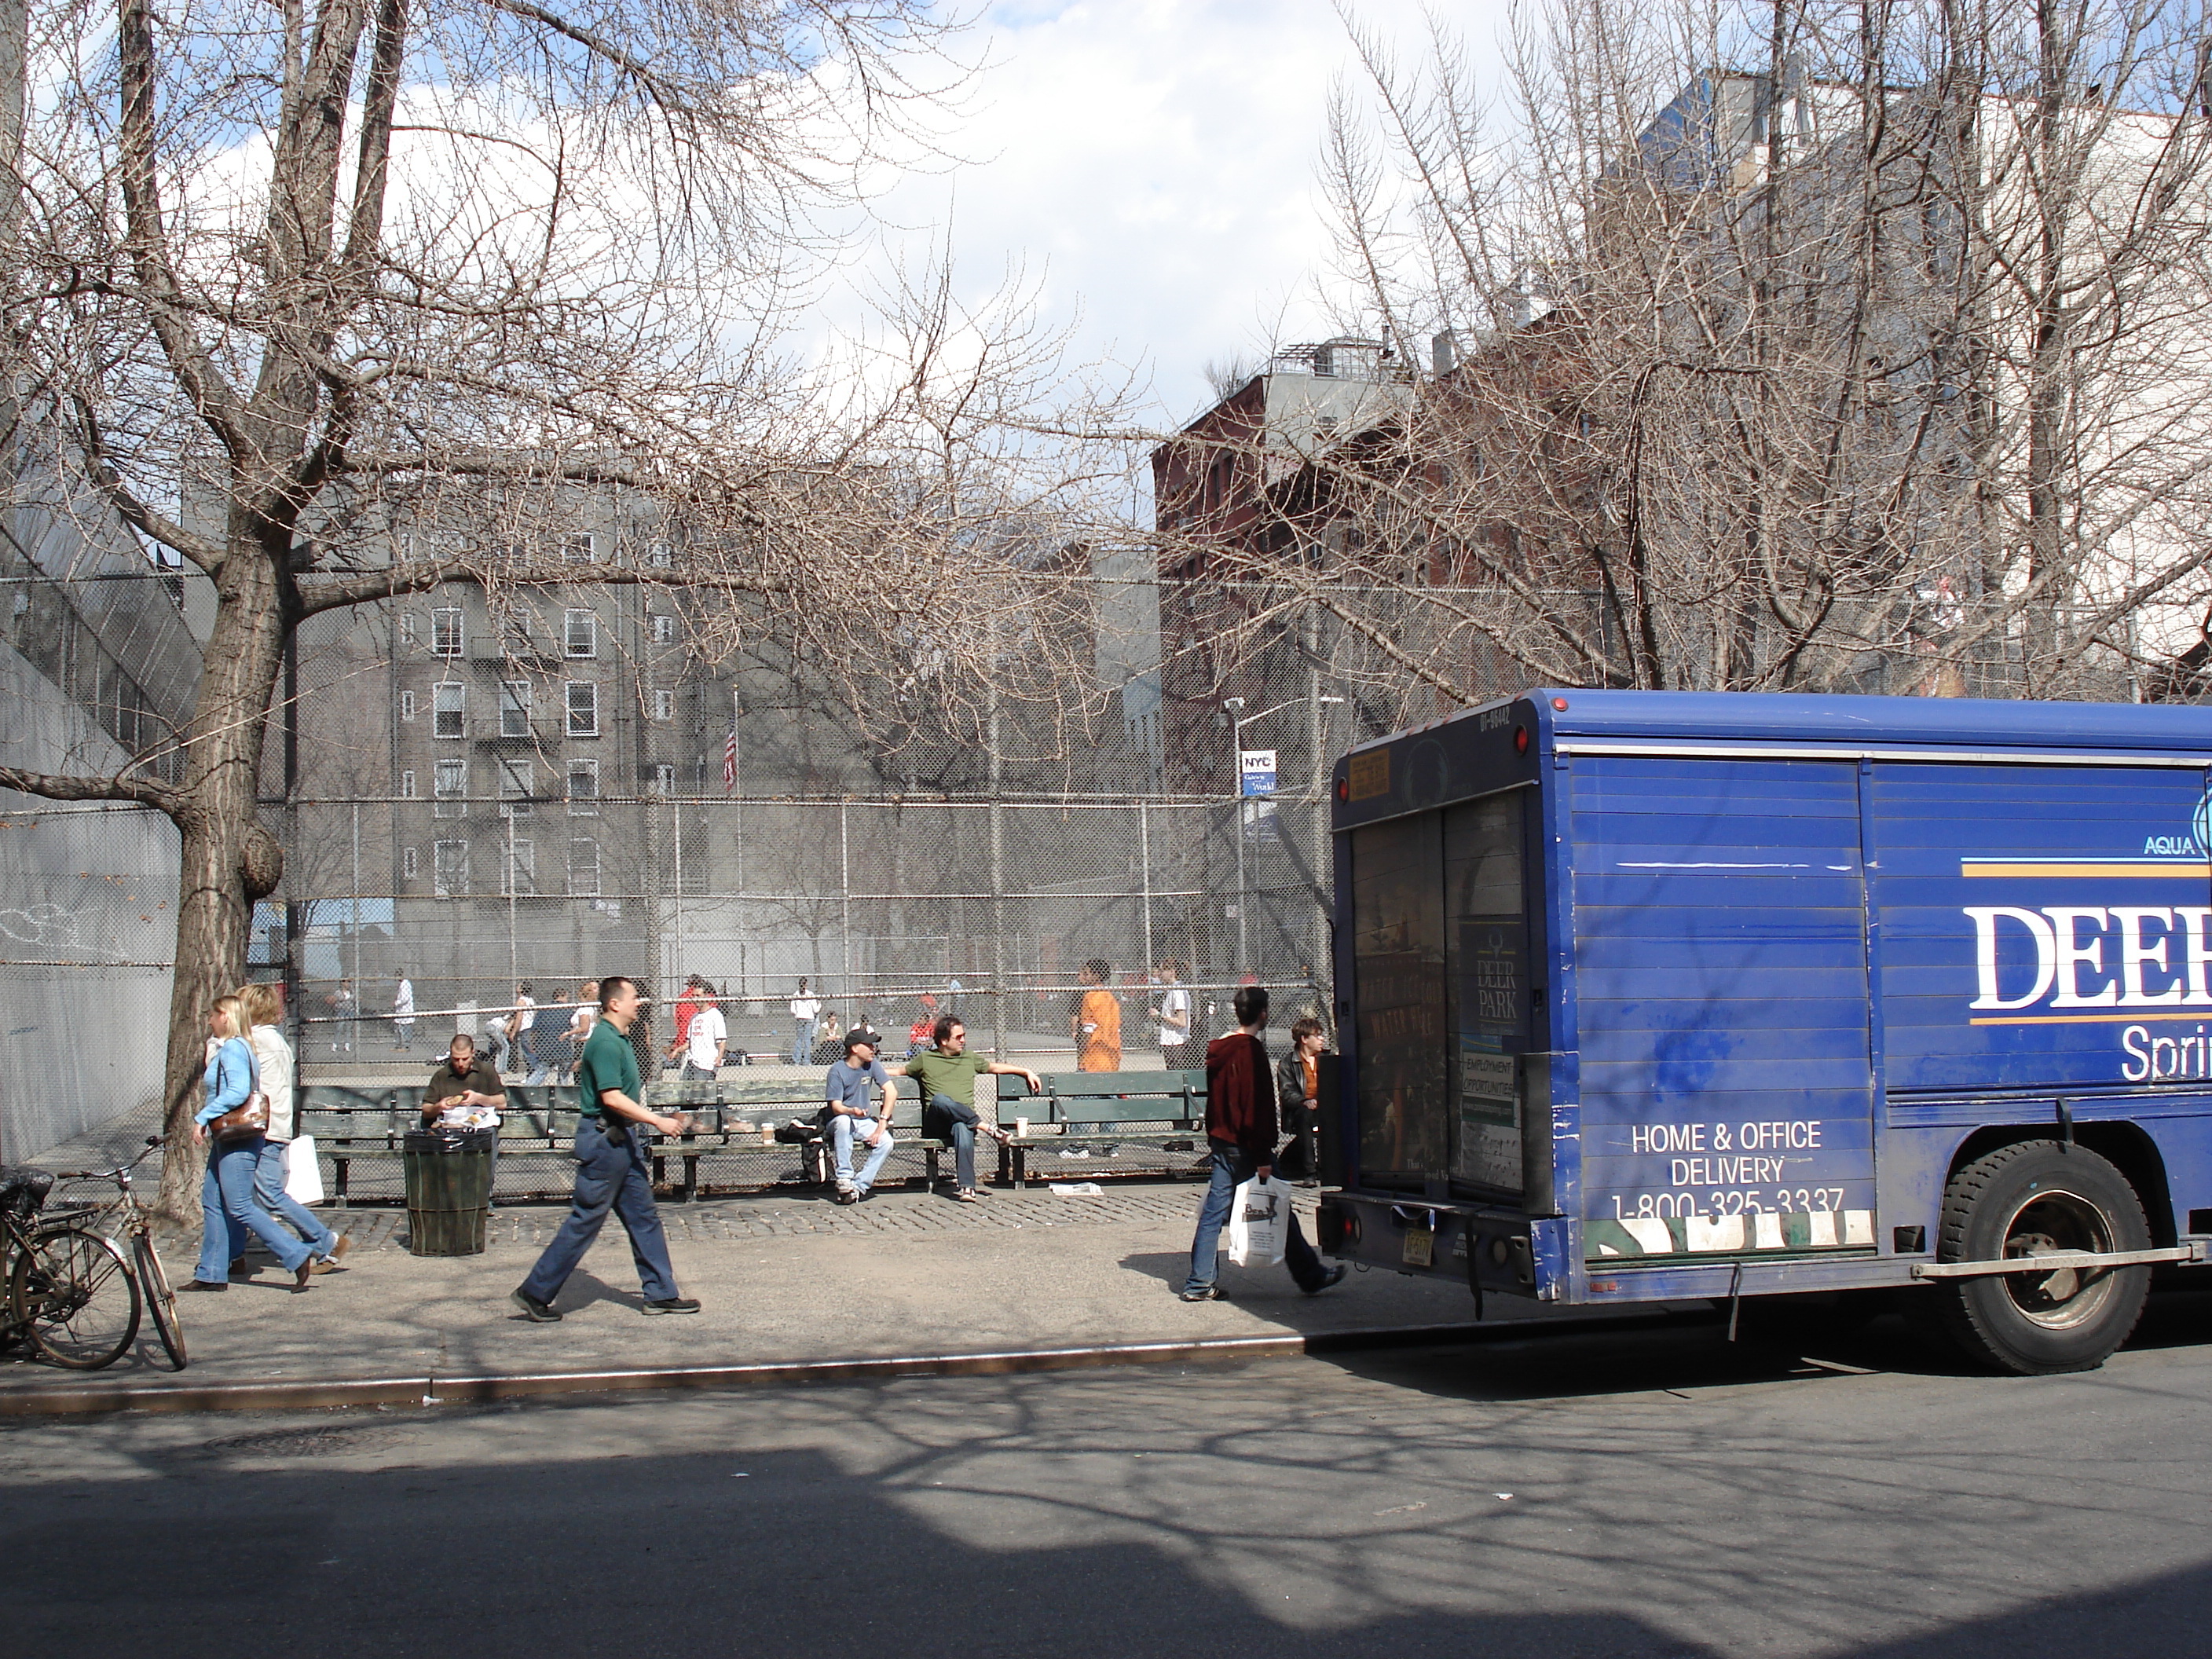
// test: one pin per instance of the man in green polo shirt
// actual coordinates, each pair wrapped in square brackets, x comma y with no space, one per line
[611,1167]
[947,1074]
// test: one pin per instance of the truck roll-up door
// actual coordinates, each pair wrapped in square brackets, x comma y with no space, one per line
[1720,1006]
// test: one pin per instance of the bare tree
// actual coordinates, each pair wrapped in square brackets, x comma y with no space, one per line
[1877,362]
[367,275]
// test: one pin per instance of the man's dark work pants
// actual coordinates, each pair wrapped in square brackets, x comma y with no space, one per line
[611,1174]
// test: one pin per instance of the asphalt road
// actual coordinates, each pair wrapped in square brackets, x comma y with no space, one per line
[1653,1491]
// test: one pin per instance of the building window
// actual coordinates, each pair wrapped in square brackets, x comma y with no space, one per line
[407,863]
[664,780]
[584,867]
[407,628]
[407,785]
[446,632]
[449,710]
[660,555]
[514,708]
[583,709]
[664,631]
[449,868]
[583,788]
[582,633]
[664,705]
[450,785]
[406,705]
[518,780]
[580,549]
[521,869]
[516,623]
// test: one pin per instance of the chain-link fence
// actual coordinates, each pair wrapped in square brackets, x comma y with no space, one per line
[88,922]
[890,911]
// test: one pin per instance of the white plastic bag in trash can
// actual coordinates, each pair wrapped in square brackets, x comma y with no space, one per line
[303,1174]
[1259,1222]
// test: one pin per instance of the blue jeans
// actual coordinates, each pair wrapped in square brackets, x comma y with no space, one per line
[802,1042]
[1232,1168]
[957,1123]
[228,1211]
[543,1051]
[844,1129]
[269,1193]
[611,1174]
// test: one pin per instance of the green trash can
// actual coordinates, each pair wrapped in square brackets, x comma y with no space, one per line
[448,1174]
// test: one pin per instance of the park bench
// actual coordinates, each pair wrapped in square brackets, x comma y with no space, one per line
[1161,1110]
[1165,1111]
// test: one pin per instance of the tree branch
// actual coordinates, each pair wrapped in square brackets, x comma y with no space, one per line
[211,395]
[146,792]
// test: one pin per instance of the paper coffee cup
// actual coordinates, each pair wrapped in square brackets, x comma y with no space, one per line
[1021,1126]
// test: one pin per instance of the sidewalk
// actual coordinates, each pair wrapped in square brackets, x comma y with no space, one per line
[783,1278]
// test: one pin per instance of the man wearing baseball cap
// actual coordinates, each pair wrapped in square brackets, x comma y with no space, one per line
[847,1090]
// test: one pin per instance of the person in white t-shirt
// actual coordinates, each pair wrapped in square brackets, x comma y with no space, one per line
[580,1026]
[705,1039]
[805,1012]
[1173,1014]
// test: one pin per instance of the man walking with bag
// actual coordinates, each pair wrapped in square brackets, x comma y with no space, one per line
[613,1168]
[1241,1133]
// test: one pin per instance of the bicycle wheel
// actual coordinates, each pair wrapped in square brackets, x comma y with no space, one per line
[75,1291]
[161,1300]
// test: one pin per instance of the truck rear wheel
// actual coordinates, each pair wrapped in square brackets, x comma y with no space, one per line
[2039,1198]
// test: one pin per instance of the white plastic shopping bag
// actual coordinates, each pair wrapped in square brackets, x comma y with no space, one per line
[303,1174]
[1259,1222]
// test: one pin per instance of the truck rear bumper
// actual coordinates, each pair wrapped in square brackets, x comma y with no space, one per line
[1488,1248]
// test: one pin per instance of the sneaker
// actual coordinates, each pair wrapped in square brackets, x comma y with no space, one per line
[330,1263]
[205,1285]
[537,1312]
[1332,1276]
[672,1305]
[1209,1293]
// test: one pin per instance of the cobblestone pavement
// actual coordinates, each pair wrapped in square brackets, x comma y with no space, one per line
[774,1216]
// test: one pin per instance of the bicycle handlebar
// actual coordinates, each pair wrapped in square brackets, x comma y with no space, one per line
[152,1141]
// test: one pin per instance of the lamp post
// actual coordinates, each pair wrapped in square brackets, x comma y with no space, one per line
[1238,720]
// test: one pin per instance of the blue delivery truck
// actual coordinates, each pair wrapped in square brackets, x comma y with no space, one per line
[1648,996]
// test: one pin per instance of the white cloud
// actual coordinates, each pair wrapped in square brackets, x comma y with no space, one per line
[1152,163]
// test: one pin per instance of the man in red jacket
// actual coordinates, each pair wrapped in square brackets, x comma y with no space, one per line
[1240,1129]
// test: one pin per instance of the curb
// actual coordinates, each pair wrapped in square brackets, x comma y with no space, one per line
[428,1390]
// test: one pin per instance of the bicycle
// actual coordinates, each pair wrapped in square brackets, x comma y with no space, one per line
[70,1293]
[126,1216]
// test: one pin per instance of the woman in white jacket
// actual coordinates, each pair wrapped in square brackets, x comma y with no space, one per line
[273,1056]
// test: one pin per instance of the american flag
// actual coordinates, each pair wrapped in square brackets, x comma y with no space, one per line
[730,761]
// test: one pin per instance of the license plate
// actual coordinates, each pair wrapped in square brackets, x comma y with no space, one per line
[1420,1250]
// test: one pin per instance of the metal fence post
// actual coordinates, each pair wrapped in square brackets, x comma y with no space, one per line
[997,934]
[845,903]
[1144,863]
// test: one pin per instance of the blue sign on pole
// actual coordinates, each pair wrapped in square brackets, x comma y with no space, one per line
[1256,769]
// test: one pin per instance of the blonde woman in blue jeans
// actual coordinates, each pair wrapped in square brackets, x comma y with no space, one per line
[272,1061]
[227,1193]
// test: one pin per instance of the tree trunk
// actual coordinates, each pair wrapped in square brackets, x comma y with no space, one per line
[230,861]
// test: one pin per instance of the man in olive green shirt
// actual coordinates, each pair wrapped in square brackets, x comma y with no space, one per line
[611,1167]
[947,1074]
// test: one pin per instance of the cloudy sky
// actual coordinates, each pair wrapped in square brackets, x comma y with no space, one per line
[1152,163]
